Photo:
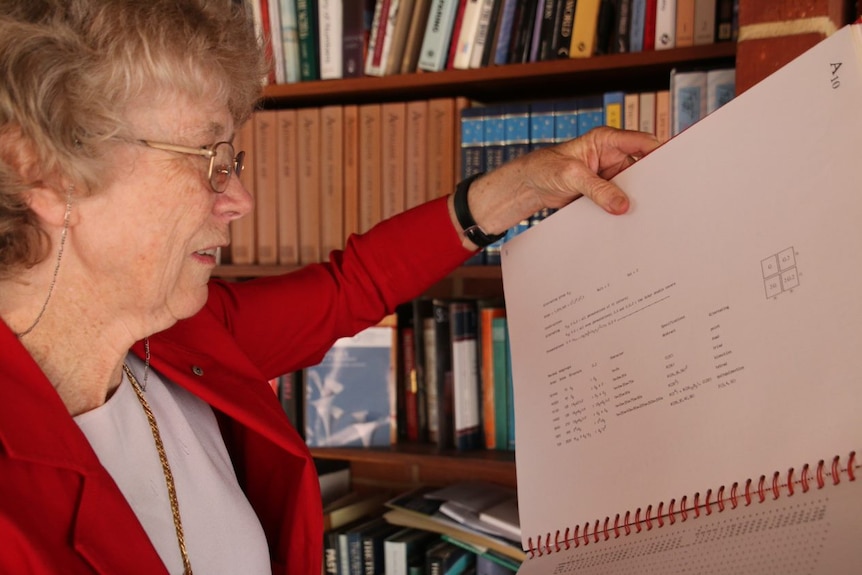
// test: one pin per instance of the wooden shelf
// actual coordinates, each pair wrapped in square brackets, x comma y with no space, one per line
[406,465]
[647,70]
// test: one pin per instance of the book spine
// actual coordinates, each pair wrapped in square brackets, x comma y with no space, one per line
[631,115]
[490,423]
[614,109]
[266,174]
[463,47]
[330,26]
[541,124]
[662,115]
[416,154]
[353,42]
[465,377]
[622,35]
[501,382]
[456,34]
[393,141]
[444,404]
[504,35]
[242,247]
[590,113]
[370,166]
[584,29]
[649,25]
[331,179]
[606,26]
[306,30]
[289,40]
[646,112]
[704,21]
[536,33]
[665,25]
[688,99]
[438,31]
[483,32]
[350,139]
[684,23]
[517,126]
[724,20]
[636,30]
[288,182]
[308,122]
[720,88]
[413,43]
[441,146]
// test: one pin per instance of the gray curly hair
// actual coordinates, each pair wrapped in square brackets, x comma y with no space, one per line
[69,70]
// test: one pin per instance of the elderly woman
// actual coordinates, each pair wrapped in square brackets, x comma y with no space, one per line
[137,432]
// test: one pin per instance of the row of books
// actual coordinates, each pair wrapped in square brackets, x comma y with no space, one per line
[320,174]
[424,530]
[436,372]
[331,39]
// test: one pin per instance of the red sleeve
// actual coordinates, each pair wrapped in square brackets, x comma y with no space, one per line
[289,321]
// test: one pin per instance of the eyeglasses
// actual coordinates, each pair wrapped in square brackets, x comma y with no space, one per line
[223,162]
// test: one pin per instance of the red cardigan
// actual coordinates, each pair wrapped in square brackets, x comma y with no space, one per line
[60,511]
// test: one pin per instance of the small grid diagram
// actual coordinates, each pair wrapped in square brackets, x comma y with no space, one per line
[779,272]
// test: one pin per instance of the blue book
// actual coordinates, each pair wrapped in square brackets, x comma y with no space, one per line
[565,120]
[591,113]
[638,21]
[517,129]
[472,141]
[349,394]
[495,136]
[541,124]
[507,18]
[473,159]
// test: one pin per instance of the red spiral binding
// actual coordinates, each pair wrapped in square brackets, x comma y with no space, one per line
[622,525]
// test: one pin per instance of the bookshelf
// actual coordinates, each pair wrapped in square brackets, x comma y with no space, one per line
[771,34]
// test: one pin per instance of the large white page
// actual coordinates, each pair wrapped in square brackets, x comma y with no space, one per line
[713,333]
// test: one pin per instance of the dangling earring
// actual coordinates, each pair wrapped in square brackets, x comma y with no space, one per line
[66,218]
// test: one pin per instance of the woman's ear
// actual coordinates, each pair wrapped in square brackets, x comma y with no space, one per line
[50,204]
[48,196]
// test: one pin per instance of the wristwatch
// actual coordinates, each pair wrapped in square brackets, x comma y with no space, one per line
[462,211]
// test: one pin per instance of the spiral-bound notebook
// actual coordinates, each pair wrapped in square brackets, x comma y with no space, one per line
[688,377]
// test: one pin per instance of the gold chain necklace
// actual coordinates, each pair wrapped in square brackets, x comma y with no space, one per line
[166,468]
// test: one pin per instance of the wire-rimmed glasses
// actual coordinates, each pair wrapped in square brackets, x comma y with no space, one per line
[223,160]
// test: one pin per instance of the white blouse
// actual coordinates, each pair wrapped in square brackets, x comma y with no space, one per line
[222,533]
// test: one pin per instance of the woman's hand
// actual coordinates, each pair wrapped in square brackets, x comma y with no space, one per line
[555,176]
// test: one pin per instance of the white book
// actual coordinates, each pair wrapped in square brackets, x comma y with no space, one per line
[688,99]
[376,63]
[330,25]
[631,104]
[646,112]
[720,88]
[483,33]
[686,384]
[274,12]
[438,31]
[467,34]
[665,24]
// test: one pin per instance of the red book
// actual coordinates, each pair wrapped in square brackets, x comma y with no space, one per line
[380,35]
[456,32]
[649,25]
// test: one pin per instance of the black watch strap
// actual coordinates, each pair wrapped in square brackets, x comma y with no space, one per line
[462,211]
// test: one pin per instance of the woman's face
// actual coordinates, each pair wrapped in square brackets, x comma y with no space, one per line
[148,240]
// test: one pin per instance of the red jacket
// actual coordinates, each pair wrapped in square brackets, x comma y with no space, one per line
[60,511]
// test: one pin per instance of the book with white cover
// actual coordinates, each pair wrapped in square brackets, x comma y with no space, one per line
[687,376]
